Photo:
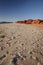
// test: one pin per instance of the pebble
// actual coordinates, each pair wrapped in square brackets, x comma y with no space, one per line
[42,60]
[38,63]
[34,57]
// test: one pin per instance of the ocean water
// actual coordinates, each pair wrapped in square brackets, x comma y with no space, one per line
[5,22]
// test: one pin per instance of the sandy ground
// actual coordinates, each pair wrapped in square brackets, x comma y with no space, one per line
[21,44]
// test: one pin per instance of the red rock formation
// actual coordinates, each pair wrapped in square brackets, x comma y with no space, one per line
[36,22]
[30,21]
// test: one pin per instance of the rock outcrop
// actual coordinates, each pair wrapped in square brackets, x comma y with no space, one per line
[30,21]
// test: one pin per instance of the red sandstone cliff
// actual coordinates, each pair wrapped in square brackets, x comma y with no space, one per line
[30,21]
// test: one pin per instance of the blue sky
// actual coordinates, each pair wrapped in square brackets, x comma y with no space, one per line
[13,10]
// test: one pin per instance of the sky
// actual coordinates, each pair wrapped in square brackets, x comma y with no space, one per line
[14,10]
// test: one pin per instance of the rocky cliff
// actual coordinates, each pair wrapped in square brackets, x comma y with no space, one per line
[30,21]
